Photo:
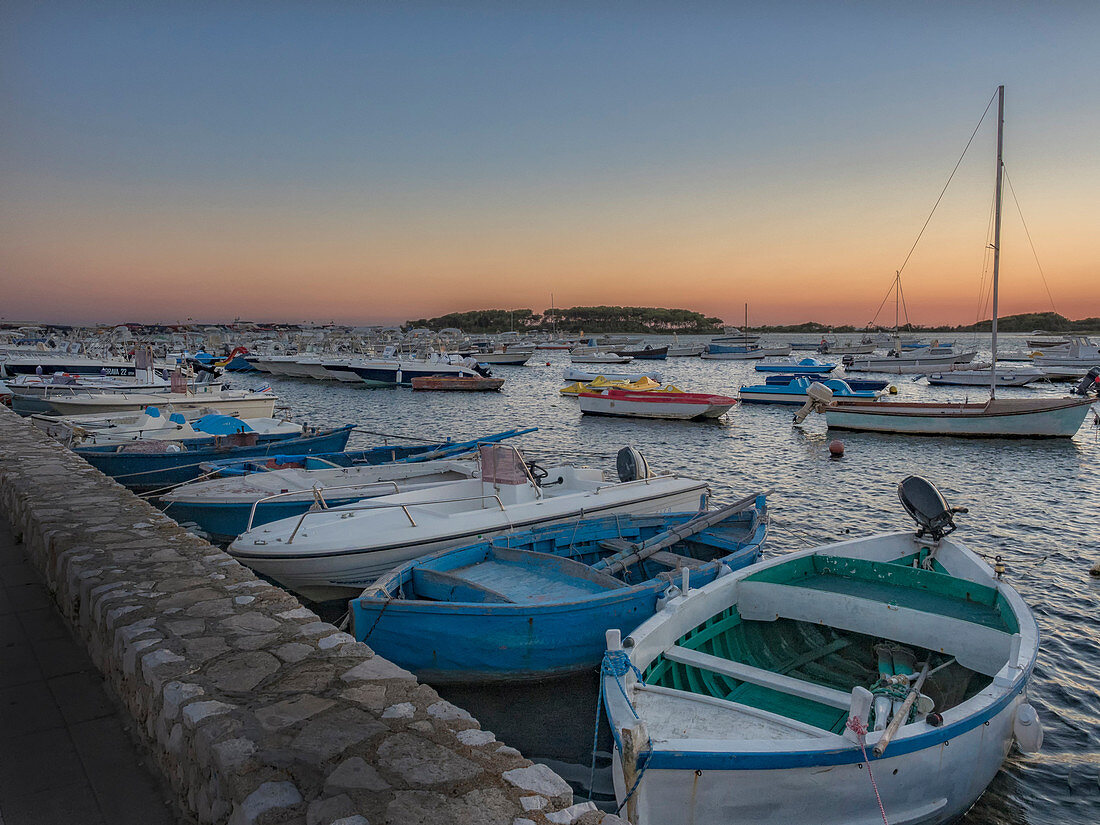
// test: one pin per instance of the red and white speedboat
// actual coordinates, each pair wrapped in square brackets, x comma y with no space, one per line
[655,404]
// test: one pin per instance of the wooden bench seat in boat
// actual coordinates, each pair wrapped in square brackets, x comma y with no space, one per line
[889,601]
[673,561]
[758,676]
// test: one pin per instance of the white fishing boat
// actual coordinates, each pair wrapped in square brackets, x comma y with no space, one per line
[1004,376]
[599,358]
[1041,339]
[243,403]
[997,417]
[337,552]
[1081,352]
[153,424]
[876,680]
[678,350]
[909,362]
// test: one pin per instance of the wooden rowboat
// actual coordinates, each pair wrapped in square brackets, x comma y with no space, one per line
[456,383]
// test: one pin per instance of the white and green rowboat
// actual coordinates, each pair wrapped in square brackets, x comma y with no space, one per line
[771,695]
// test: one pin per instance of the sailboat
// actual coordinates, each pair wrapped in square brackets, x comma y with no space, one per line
[1012,417]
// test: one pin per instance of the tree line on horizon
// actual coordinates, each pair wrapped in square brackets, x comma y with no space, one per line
[657,320]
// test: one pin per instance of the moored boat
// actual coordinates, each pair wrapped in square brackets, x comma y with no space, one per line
[803,366]
[569,375]
[678,405]
[144,466]
[536,604]
[893,666]
[795,392]
[339,551]
[457,383]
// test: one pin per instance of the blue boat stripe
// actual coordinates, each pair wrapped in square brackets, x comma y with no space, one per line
[851,755]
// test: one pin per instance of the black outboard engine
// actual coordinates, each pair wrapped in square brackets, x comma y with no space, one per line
[1090,383]
[631,465]
[927,507]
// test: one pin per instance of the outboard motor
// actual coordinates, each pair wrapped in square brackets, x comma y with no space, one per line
[631,465]
[927,507]
[1090,383]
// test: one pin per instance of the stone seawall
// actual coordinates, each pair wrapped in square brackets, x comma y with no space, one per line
[255,710]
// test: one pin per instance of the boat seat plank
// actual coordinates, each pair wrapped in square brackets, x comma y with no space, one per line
[759,676]
[975,646]
[440,586]
[676,561]
[618,545]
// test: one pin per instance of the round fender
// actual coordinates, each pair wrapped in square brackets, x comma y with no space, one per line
[1027,729]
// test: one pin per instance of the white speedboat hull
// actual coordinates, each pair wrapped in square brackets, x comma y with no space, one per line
[232,402]
[337,553]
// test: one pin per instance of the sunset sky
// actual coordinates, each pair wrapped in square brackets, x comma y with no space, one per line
[375,162]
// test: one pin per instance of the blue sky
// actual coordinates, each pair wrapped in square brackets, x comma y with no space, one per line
[706,145]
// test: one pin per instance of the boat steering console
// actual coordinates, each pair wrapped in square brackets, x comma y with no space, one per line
[927,507]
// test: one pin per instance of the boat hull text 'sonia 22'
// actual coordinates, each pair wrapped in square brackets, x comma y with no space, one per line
[773,695]
[339,551]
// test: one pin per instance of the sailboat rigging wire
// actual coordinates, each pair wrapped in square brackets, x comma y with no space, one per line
[985,294]
[949,179]
[1028,233]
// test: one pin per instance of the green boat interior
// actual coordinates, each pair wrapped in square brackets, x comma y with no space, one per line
[767,653]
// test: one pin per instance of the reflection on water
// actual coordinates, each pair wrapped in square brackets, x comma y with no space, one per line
[1035,502]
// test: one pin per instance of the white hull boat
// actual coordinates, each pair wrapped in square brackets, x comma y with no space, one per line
[774,694]
[683,406]
[1006,377]
[570,375]
[241,403]
[1080,353]
[600,358]
[152,424]
[909,362]
[338,552]
[685,350]
[997,417]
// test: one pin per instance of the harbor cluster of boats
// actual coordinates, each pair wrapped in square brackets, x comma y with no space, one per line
[902,654]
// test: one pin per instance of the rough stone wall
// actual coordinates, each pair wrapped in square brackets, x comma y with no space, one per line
[255,709]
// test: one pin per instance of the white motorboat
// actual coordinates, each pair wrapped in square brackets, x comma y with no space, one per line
[1005,377]
[683,406]
[1081,352]
[570,375]
[337,552]
[227,507]
[879,679]
[909,362]
[599,358]
[229,402]
[153,424]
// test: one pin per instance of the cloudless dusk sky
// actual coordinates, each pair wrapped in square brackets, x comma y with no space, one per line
[375,162]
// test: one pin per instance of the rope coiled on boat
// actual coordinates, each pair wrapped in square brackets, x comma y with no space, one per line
[616,663]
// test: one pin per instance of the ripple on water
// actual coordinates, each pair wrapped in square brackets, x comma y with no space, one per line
[1028,500]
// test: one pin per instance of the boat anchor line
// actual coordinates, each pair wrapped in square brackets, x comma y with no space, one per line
[856,726]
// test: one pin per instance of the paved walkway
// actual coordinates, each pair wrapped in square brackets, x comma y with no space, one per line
[65,756]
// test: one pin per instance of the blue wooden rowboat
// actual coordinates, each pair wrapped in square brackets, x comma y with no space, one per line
[388,454]
[146,471]
[854,383]
[536,604]
[795,392]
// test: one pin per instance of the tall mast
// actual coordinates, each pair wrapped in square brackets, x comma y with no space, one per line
[997,232]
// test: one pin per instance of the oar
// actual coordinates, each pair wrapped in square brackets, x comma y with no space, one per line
[902,712]
[623,560]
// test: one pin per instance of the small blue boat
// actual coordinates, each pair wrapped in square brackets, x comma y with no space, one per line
[180,463]
[805,366]
[536,604]
[795,391]
[854,383]
[388,454]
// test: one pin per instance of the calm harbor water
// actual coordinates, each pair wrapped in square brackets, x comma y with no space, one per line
[1035,502]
